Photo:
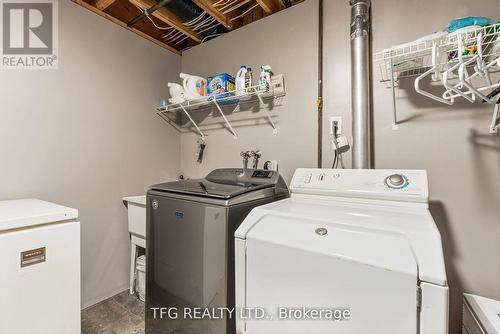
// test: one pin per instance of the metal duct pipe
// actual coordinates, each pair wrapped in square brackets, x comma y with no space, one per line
[186,10]
[360,83]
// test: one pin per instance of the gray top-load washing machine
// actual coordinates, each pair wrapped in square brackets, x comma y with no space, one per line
[190,247]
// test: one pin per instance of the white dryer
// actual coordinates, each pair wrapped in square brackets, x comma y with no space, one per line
[351,252]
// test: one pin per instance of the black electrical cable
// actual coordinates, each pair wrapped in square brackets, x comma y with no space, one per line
[337,156]
[335,160]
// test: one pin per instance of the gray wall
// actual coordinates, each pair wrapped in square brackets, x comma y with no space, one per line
[85,135]
[283,41]
[450,142]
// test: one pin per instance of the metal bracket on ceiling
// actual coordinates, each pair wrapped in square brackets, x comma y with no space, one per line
[148,12]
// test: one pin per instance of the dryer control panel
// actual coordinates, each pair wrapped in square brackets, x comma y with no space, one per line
[383,184]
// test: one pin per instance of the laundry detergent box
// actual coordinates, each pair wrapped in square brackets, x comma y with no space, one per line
[221,85]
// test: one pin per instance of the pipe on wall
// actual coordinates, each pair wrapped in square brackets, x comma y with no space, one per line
[360,83]
[319,101]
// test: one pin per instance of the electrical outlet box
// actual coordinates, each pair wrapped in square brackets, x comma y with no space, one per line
[278,84]
[337,119]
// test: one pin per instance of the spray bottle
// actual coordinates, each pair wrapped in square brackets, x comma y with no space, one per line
[240,80]
[265,78]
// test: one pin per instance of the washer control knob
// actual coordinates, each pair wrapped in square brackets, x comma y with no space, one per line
[395,181]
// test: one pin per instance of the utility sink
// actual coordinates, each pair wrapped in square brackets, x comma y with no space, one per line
[136,215]
[136,206]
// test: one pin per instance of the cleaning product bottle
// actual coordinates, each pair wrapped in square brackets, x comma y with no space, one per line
[195,87]
[265,78]
[248,79]
[240,80]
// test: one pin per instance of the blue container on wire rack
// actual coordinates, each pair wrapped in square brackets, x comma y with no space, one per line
[223,86]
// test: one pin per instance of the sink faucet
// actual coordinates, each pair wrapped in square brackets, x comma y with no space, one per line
[256,156]
[245,155]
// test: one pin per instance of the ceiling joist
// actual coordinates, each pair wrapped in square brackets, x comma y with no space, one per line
[208,7]
[269,6]
[166,16]
[173,26]
[124,25]
[103,4]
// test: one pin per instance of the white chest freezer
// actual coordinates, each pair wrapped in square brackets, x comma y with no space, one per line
[39,268]
[351,252]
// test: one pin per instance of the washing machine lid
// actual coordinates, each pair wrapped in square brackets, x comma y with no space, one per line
[205,188]
[374,235]
[22,213]
[223,183]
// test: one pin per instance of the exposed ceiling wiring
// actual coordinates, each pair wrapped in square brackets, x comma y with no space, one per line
[176,37]
[203,22]
[209,20]
[238,5]
[210,27]
[195,20]
[221,3]
[210,36]
[150,19]
[157,26]
[245,12]
[181,40]
[170,34]
[228,4]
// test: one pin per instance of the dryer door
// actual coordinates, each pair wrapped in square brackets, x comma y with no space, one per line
[356,280]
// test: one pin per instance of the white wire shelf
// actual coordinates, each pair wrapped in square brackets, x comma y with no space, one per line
[173,113]
[465,63]
[414,58]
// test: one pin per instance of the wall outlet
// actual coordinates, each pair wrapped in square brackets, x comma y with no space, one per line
[337,119]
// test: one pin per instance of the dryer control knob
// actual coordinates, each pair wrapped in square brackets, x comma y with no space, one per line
[395,181]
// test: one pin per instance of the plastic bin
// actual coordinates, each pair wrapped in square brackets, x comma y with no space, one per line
[140,272]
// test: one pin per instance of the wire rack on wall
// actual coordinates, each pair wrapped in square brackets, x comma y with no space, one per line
[463,62]
[263,96]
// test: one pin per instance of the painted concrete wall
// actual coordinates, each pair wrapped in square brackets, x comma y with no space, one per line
[450,142]
[86,135]
[283,41]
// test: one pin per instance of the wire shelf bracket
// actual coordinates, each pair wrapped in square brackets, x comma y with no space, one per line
[273,125]
[170,113]
[495,122]
[202,135]
[225,118]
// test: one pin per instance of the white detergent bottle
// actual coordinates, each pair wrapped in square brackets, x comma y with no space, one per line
[240,80]
[195,87]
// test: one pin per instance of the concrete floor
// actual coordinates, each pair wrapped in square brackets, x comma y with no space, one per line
[121,314]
